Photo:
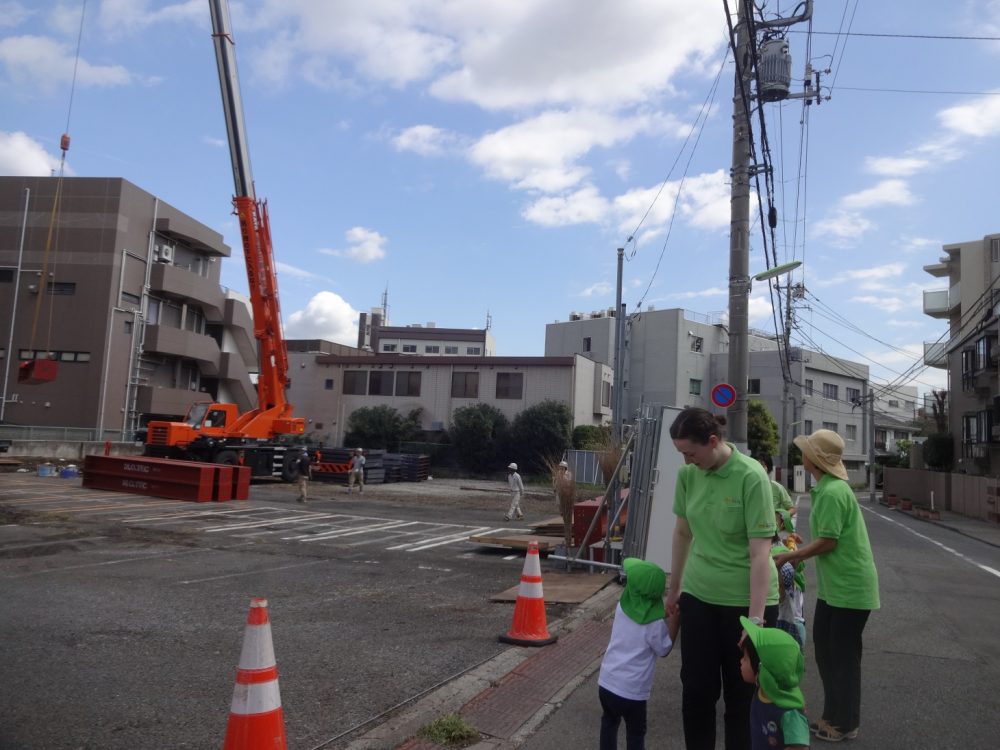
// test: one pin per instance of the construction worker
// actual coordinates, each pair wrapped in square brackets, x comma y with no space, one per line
[516,487]
[305,474]
[357,470]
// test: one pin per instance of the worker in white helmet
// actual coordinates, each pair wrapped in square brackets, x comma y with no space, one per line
[516,489]
[357,470]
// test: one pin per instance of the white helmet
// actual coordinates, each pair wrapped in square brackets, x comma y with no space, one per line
[512,466]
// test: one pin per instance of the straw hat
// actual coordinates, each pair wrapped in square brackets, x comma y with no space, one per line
[825,448]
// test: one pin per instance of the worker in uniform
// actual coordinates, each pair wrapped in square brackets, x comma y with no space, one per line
[305,474]
[357,471]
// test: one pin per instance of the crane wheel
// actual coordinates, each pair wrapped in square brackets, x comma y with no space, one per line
[227,458]
[290,467]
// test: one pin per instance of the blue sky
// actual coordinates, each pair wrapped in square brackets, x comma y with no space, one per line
[480,156]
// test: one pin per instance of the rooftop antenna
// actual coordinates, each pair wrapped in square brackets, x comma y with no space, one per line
[489,320]
[385,305]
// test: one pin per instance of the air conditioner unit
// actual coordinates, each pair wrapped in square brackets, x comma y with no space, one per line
[163,254]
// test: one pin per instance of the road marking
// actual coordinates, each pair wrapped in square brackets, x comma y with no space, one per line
[110,562]
[448,540]
[254,572]
[48,542]
[190,514]
[945,547]
[113,506]
[511,557]
[351,531]
[269,522]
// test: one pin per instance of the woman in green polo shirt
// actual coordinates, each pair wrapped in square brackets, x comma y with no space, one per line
[848,583]
[720,569]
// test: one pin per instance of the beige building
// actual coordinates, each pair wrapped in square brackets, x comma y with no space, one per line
[327,387]
[131,309]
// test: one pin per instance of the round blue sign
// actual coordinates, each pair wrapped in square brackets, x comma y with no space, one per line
[724,395]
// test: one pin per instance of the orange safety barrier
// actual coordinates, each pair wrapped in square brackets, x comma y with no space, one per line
[529,627]
[256,721]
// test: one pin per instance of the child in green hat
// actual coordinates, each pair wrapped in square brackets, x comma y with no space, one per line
[639,634]
[772,661]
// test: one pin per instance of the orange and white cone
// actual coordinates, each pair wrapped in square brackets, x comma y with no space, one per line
[255,718]
[528,627]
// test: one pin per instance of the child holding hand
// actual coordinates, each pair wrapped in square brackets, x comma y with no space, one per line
[640,633]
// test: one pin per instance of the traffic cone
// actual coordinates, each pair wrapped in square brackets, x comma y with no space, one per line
[528,627]
[255,718]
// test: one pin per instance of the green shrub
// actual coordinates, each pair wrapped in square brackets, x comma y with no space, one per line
[591,437]
[477,435]
[451,731]
[539,434]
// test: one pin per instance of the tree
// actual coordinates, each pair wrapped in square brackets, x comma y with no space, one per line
[539,433]
[939,451]
[477,434]
[591,437]
[762,429]
[374,427]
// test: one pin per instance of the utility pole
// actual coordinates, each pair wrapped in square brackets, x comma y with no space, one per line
[775,77]
[871,444]
[618,396]
[796,291]
[739,234]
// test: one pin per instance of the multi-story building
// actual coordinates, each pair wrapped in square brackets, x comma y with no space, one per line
[426,339]
[131,308]
[970,351]
[676,357]
[328,387]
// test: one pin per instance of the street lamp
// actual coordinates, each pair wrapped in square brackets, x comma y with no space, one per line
[739,359]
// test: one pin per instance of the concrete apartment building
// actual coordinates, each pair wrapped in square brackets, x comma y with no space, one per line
[676,357]
[328,386]
[426,339]
[969,351]
[139,323]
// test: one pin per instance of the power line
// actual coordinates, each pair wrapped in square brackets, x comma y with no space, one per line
[920,91]
[947,37]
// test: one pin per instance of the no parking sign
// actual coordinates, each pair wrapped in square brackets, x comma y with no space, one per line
[724,395]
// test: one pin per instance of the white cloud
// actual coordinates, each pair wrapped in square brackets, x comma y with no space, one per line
[895,166]
[886,192]
[118,17]
[895,323]
[299,273]
[979,118]
[600,289]
[704,202]
[425,140]
[45,63]
[13,14]
[714,291]
[364,246]
[582,207]
[918,244]
[842,227]
[20,156]
[862,275]
[889,304]
[213,141]
[326,316]
[759,311]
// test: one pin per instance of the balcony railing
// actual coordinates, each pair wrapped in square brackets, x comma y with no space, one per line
[936,303]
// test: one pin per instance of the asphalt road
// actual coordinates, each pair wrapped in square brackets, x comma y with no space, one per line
[123,617]
[931,667]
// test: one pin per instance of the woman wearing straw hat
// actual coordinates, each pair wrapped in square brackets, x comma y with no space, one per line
[720,570]
[848,583]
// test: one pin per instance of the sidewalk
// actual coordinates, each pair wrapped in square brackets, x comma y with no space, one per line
[530,698]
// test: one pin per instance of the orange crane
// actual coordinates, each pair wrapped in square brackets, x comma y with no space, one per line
[216,432]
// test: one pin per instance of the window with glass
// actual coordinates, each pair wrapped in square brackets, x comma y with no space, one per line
[380,382]
[432,349]
[61,287]
[969,431]
[753,386]
[809,387]
[355,382]
[851,431]
[830,426]
[893,403]
[510,385]
[995,249]
[465,385]
[880,440]
[586,343]
[808,425]
[407,383]
[694,387]
[697,343]
[131,299]
[831,391]
[605,394]
[451,350]
[328,384]
[409,348]
[388,347]
[474,350]
[853,395]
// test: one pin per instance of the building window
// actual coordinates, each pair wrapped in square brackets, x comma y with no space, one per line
[831,391]
[131,299]
[586,343]
[451,350]
[995,249]
[852,431]
[853,395]
[830,426]
[880,440]
[388,347]
[605,394]
[128,327]
[409,348]
[431,349]
[465,385]
[909,405]
[808,425]
[355,382]
[809,387]
[61,287]
[407,383]
[893,403]
[697,343]
[694,387]
[318,426]
[6,274]
[380,383]
[510,385]
[475,351]
[83,356]
[753,386]
[984,352]
[328,384]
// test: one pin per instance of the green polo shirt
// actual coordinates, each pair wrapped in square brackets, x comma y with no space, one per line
[725,508]
[846,576]
[779,495]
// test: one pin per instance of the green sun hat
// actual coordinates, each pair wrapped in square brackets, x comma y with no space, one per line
[645,583]
[781,664]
